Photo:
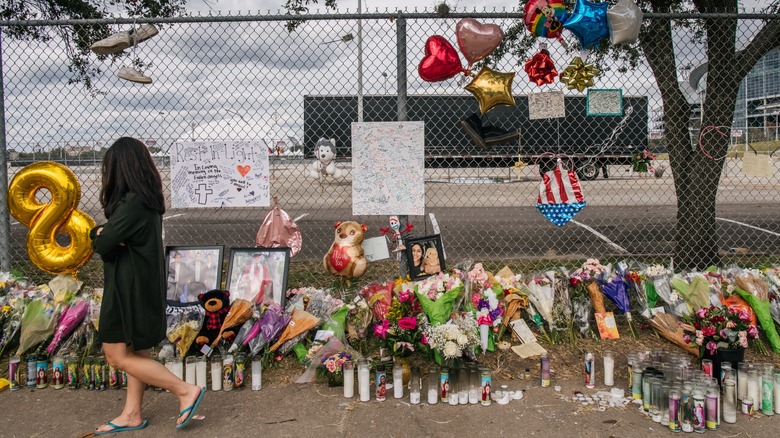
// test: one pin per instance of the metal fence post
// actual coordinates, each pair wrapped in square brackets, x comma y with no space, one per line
[400,74]
[5,220]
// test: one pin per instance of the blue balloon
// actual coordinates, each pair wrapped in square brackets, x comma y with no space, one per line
[560,214]
[588,23]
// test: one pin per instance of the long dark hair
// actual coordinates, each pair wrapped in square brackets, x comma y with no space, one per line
[128,167]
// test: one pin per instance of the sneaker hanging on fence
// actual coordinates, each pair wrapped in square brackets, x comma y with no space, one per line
[133,75]
[119,41]
[560,195]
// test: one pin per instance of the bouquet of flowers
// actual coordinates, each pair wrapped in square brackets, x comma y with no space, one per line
[658,282]
[514,300]
[753,289]
[271,323]
[489,308]
[617,291]
[773,277]
[646,297]
[695,293]
[641,161]
[592,267]
[453,339]
[562,311]
[437,294]
[580,301]
[70,319]
[400,330]
[716,327]
[358,318]
[541,295]
[379,297]
[331,368]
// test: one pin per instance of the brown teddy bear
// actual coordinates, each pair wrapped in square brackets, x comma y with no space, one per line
[217,305]
[346,257]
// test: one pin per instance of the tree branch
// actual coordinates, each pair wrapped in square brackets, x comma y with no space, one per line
[766,39]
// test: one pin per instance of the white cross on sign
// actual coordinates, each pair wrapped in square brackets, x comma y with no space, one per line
[203,193]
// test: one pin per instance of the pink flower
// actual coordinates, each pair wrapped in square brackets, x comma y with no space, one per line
[380,330]
[744,316]
[408,323]
[405,296]
[424,339]
[722,333]
[701,313]
[475,299]
[712,346]
[404,345]
[687,339]
[331,366]
[752,331]
[708,331]
[743,339]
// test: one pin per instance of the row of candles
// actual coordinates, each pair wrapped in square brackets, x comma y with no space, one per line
[673,393]
[468,384]
[227,373]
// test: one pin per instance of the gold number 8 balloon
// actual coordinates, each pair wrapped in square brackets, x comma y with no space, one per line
[46,220]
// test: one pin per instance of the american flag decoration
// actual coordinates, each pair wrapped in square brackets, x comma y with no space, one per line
[560,195]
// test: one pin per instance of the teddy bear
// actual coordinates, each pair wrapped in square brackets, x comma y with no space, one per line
[325,152]
[431,264]
[346,257]
[217,305]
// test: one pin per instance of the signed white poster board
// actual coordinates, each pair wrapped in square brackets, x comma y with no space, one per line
[546,105]
[388,168]
[206,174]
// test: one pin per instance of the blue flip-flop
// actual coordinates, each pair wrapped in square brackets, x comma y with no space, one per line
[191,409]
[116,428]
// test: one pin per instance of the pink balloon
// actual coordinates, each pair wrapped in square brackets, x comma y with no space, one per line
[477,40]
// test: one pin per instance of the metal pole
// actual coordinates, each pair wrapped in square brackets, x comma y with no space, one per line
[5,219]
[746,115]
[400,74]
[360,64]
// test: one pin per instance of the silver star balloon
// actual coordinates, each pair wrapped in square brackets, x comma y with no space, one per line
[625,20]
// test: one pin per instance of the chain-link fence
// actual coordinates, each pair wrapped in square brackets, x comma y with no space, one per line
[247,77]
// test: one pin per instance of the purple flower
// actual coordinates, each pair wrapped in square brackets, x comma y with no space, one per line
[701,313]
[483,304]
[712,346]
[687,339]
[752,332]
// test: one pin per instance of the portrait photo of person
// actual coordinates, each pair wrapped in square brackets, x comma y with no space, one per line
[258,275]
[193,271]
[424,256]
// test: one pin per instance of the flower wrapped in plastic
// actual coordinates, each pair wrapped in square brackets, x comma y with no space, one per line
[541,295]
[358,319]
[400,331]
[562,312]
[300,323]
[658,282]
[580,301]
[593,268]
[271,322]
[38,322]
[616,290]
[488,307]
[437,295]
[514,300]
[379,297]
[694,290]
[773,277]
[11,322]
[71,318]
[646,298]
[753,289]
[713,327]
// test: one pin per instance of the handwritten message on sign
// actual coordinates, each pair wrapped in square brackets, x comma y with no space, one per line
[208,174]
[388,162]
[546,105]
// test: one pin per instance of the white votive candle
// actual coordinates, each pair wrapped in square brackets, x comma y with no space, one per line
[349,379]
[364,386]
[189,371]
[257,374]
[177,368]
[609,368]
[216,373]
[200,372]
[398,377]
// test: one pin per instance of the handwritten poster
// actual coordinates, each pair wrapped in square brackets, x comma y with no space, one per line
[388,162]
[206,174]
[546,105]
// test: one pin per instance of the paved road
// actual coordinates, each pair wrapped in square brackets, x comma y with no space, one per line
[488,213]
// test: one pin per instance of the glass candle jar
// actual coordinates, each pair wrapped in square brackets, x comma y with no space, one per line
[754,388]
[257,375]
[609,368]
[767,393]
[674,411]
[415,386]
[729,401]
[381,383]
[201,372]
[176,365]
[364,384]
[189,370]
[239,375]
[228,379]
[444,385]
[433,386]
[58,372]
[463,386]
[474,389]
[216,372]
[487,385]
[453,392]
[14,372]
[712,409]
[349,378]
[544,365]
[41,372]
[398,380]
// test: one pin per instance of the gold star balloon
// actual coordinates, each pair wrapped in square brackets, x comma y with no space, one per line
[579,75]
[492,88]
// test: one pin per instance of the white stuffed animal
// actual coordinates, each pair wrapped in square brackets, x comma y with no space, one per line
[325,165]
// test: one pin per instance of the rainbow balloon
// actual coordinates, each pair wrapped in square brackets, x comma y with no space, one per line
[545,18]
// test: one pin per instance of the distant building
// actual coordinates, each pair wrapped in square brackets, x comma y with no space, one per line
[761,103]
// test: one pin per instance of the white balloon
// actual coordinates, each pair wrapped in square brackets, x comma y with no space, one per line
[625,20]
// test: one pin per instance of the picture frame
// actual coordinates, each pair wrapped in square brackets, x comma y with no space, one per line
[604,102]
[192,270]
[258,274]
[432,254]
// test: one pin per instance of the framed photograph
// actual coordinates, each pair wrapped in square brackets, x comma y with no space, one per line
[425,256]
[258,274]
[192,270]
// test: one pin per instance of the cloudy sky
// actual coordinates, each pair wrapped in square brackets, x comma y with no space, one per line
[240,80]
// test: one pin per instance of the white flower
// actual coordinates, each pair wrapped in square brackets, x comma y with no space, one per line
[674,297]
[463,340]
[439,295]
[483,312]
[440,285]
[493,302]
[450,350]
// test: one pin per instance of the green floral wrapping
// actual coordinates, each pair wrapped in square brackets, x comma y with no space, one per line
[651,294]
[438,312]
[696,295]
[761,308]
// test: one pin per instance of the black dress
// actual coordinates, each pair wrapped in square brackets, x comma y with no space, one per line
[133,308]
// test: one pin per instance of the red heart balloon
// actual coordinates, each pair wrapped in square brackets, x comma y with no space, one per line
[441,61]
[477,40]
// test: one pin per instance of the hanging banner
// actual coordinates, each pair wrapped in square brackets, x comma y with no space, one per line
[208,174]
